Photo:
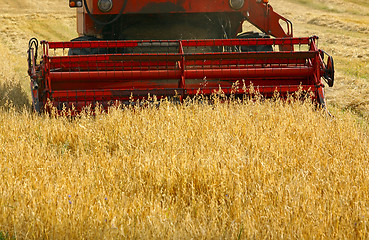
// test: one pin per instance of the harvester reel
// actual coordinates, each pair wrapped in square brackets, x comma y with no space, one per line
[180,44]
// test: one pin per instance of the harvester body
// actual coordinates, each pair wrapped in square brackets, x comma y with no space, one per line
[128,50]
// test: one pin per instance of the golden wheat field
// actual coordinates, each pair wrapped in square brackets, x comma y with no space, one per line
[228,170]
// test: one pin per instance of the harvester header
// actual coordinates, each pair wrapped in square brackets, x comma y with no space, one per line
[131,49]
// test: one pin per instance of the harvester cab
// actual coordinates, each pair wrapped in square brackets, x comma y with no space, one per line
[128,49]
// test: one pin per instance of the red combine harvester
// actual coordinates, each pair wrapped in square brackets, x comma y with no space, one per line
[129,49]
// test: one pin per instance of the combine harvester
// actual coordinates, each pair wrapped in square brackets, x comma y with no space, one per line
[130,49]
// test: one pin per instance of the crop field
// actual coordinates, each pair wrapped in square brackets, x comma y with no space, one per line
[227,170]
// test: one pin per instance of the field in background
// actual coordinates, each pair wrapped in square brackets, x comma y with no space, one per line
[343,28]
[250,170]
[19,21]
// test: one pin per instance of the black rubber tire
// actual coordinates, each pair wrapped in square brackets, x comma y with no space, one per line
[86,51]
[259,48]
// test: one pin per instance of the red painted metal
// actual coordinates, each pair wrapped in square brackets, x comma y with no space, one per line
[256,12]
[106,78]
[184,43]
[131,69]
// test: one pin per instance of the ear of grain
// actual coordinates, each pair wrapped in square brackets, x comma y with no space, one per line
[253,170]
[185,171]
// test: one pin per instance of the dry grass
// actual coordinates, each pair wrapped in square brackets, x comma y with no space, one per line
[342,26]
[237,170]
[11,91]
[19,21]
[250,170]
